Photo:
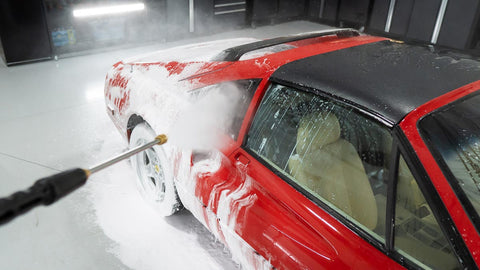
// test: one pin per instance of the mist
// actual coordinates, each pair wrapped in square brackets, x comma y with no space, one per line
[201,124]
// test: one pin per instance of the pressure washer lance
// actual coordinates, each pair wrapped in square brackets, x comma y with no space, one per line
[50,189]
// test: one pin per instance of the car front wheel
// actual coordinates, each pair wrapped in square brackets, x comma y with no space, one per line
[154,175]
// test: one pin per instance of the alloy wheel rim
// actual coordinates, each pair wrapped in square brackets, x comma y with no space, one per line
[152,177]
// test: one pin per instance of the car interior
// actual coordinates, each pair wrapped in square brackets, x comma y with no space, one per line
[331,167]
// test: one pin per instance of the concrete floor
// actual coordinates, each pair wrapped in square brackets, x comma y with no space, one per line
[53,118]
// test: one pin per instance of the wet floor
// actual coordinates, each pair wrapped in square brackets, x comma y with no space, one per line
[52,118]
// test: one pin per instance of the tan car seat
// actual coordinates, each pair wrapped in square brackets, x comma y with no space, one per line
[332,168]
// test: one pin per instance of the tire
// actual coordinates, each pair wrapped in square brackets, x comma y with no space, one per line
[154,175]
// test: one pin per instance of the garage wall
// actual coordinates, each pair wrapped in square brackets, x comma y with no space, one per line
[276,11]
[452,23]
[162,20]
[23,31]
[449,23]
[2,54]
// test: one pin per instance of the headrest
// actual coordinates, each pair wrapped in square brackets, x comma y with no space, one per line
[316,130]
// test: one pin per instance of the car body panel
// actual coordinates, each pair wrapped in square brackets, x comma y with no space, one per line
[316,241]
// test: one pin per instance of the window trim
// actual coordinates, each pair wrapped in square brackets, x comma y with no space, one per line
[433,199]
[391,196]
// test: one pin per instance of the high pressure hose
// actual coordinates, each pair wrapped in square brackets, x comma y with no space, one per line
[50,189]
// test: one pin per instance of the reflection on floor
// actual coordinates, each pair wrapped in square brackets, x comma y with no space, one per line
[52,118]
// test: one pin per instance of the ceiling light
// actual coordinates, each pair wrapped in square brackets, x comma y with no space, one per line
[105,10]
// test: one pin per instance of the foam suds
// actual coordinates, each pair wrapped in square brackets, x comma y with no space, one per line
[143,239]
[193,120]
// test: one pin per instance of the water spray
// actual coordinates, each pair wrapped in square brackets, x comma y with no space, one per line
[50,189]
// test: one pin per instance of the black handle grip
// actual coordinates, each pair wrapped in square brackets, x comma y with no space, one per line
[44,191]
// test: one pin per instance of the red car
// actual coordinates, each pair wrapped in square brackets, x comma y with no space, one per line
[346,151]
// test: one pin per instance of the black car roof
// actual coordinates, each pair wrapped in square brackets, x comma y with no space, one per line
[387,78]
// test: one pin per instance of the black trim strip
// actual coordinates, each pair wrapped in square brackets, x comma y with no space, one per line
[235,53]
[391,197]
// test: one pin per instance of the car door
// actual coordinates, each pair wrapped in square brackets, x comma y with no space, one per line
[263,204]
[313,170]
[308,188]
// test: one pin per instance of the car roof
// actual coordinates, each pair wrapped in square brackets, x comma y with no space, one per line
[387,78]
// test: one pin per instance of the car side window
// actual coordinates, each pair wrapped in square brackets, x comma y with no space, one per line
[417,232]
[329,151]
[240,95]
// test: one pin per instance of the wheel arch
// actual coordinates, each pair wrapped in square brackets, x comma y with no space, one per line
[133,121]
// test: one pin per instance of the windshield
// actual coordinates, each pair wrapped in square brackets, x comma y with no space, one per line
[453,135]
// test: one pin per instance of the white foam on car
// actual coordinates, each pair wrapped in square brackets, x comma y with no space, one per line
[192,52]
[166,104]
[230,204]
